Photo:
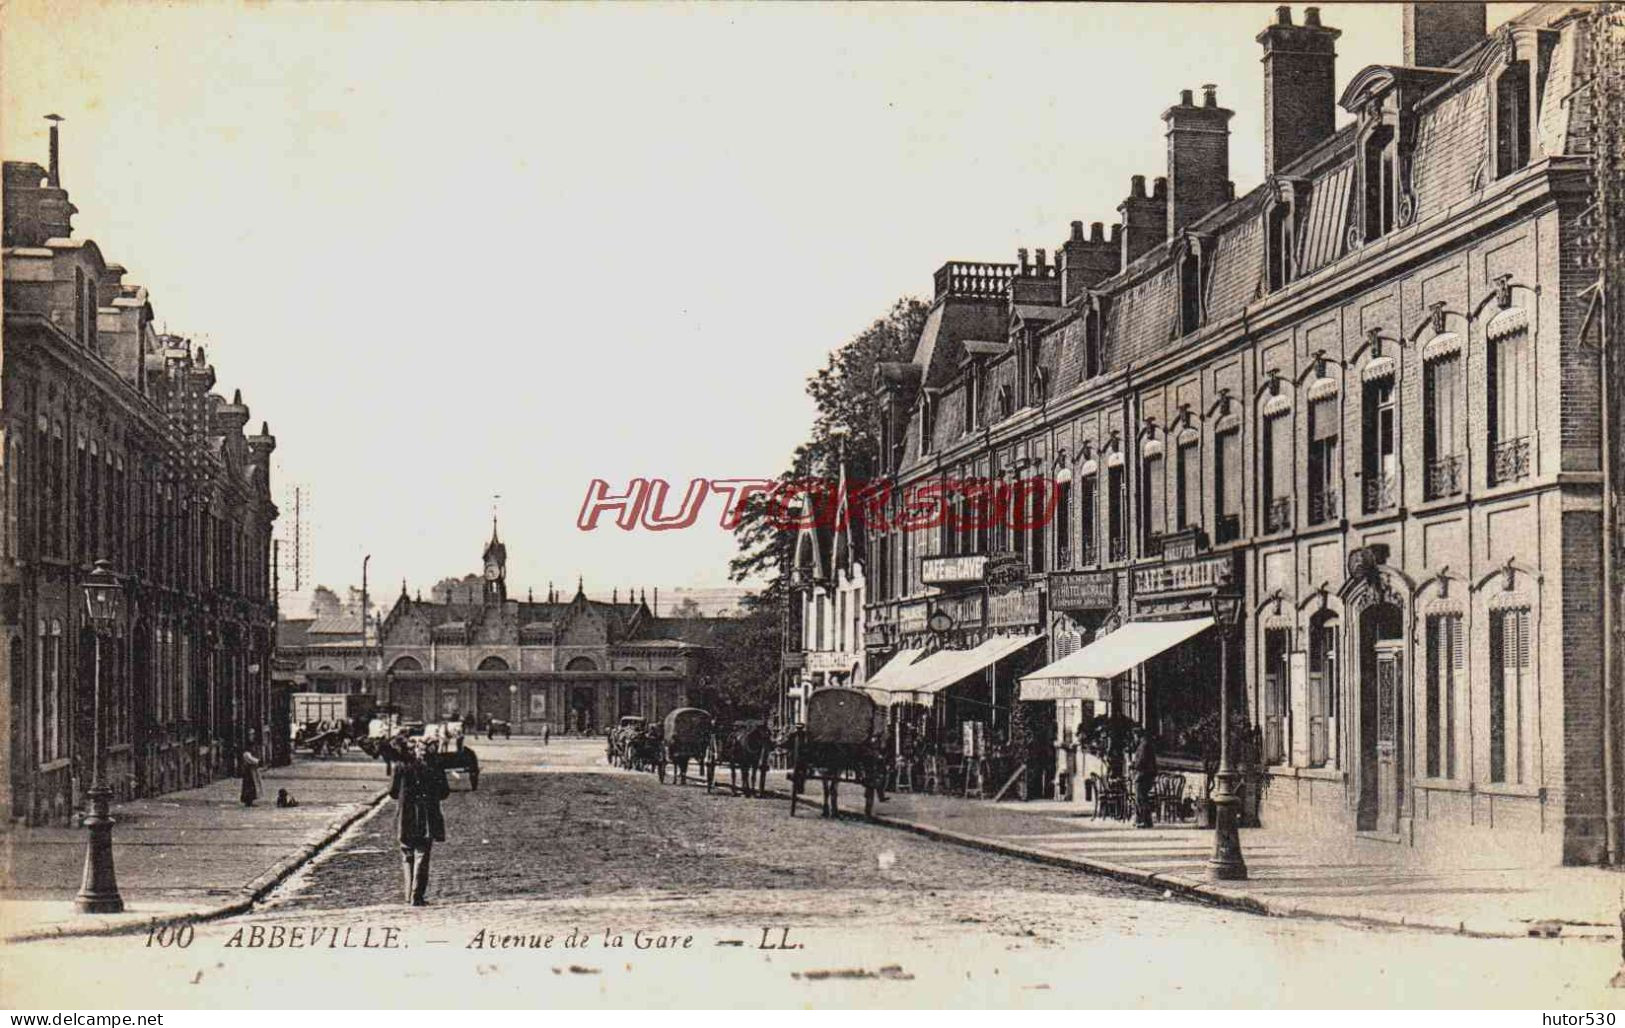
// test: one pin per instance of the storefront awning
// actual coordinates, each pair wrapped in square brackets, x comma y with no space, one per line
[1073,676]
[968,662]
[893,668]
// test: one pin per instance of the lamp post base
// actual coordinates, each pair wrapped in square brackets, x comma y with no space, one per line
[98,891]
[1226,864]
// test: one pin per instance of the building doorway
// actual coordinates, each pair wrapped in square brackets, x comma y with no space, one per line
[581,710]
[628,705]
[1382,772]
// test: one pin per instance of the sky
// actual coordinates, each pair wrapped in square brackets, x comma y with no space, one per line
[464,256]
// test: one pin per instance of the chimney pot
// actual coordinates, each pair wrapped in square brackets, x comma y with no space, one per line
[1021,259]
[1117,233]
[1077,230]
[1210,95]
[1159,188]
[1041,259]
[1185,98]
[1097,232]
[1311,17]
[1136,188]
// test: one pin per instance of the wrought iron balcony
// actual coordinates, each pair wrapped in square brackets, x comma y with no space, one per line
[1444,477]
[1088,552]
[1278,514]
[1227,529]
[1381,493]
[1509,460]
[1323,506]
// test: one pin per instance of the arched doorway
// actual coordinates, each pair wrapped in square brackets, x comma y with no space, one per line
[406,664]
[583,713]
[495,698]
[1381,755]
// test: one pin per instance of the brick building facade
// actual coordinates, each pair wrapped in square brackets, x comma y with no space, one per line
[1360,389]
[115,447]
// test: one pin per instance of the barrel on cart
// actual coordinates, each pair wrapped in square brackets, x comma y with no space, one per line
[842,740]
[687,737]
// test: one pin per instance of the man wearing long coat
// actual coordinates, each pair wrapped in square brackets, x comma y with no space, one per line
[418,785]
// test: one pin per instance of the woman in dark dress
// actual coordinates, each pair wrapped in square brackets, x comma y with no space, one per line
[250,774]
[418,785]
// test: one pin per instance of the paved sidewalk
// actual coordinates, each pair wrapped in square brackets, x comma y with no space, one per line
[198,853]
[1290,873]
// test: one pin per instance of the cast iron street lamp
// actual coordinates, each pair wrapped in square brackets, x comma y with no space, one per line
[98,893]
[1227,863]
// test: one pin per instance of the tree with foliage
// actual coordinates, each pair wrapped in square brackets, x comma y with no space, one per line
[740,670]
[325,603]
[843,392]
[688,608]
[745,667]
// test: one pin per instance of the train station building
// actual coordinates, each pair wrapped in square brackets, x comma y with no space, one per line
[572,665]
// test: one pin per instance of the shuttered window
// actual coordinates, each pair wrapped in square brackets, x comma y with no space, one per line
[1154,492]
[1509,674]
[1509,386]
[1445,682]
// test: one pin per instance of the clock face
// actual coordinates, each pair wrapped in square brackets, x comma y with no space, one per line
[492,572]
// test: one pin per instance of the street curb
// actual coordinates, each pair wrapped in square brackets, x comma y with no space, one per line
[247,896]
[1219,895]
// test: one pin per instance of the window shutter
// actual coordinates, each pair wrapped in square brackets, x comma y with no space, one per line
[1458,655]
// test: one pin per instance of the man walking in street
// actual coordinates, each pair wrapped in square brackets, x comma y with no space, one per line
[418,786]
[547,734]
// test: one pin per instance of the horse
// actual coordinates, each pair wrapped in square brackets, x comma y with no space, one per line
[645,747]
[745,747]
[463,759]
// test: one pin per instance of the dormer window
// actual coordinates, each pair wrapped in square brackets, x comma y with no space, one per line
[928,420]
[1094,350]
[1190,292]
[1513,119]
[1040,386]
[1280,244]
[1378,175]
[1007,401]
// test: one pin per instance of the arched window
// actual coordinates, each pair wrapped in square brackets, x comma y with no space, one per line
[493,663]
[406,664]
[581,664]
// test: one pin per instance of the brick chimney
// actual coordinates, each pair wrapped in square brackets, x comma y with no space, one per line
[1145,218]
[1437,33]
[1087,261]
[1300,95]
[1198,157]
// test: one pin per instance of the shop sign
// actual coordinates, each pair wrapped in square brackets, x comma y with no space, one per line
[911,619]
[953,570]
[1016,607]
[1005,569]
[1083,591]
[1185,575]
[876,635]
[829,660]
[965,610]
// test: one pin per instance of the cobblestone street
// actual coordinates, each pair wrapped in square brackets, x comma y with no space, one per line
[554,843]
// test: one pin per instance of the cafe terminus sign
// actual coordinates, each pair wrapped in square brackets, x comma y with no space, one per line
[1184,576]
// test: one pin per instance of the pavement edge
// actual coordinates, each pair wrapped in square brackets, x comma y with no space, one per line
[247,896]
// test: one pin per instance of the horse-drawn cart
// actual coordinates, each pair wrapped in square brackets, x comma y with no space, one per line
[687,737]
[843,740]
